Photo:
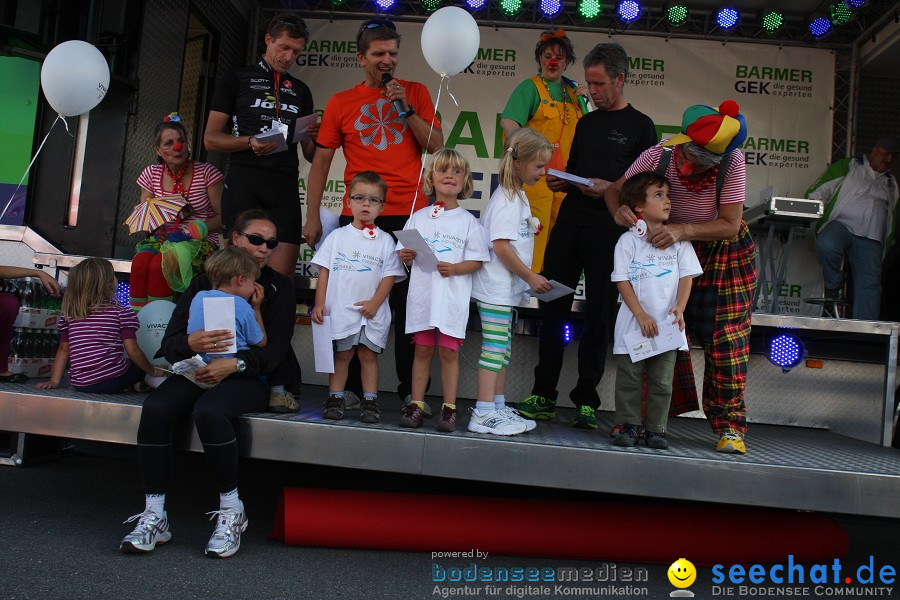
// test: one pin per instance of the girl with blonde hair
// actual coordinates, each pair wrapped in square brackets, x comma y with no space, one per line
[96,334]
[504,281]
[438,300]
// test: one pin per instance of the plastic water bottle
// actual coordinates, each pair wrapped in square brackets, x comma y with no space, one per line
[14,342]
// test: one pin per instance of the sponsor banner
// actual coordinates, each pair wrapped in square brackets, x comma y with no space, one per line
[786,95]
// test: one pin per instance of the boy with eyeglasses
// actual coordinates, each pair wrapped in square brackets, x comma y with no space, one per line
[381,121]
[358,266]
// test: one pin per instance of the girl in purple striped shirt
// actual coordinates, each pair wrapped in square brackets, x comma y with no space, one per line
[96,333]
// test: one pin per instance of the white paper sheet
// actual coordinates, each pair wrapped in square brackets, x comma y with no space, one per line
[330,222]
[322,347]
[558,291]
[218,313]
[301,125]
[272,135]
[669,338]
[425,258]
[570,177]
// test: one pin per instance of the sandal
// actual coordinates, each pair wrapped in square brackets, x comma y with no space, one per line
[14,378]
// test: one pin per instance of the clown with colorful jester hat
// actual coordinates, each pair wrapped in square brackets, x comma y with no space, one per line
[708,185]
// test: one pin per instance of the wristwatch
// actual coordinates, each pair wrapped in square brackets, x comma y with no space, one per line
[409,112]
[240,365]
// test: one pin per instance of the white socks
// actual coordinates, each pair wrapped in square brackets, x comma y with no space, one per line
[231,500]
[499,402]
[482,408]
[156,503]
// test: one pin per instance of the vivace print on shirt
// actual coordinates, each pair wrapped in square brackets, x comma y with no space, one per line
[505,218]
[434,301]
[654,274]
[356,265]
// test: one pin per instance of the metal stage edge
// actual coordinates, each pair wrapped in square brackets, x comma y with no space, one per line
[786,467]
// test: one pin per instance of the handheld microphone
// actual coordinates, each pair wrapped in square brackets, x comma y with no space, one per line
[586,105]
[385,79]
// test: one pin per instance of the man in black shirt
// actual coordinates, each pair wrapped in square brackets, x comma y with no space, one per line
[253,100]
[606,142]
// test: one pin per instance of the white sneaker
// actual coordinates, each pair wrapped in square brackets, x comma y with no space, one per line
[226,539]
[351,400]
[495,422]
[426,409]
[514,415]
[152,529]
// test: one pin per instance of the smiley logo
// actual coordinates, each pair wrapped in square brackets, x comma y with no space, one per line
[682,573]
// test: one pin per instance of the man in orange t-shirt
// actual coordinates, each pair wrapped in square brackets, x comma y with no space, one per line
[365,122]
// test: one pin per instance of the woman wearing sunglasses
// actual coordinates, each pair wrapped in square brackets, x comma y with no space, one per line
[239,389]
[551,105]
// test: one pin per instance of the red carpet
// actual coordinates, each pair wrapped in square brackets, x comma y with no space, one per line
[643,533]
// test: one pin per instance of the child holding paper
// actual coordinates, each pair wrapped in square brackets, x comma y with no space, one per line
[358,265]
[232,274]
[654,283]
[437,305]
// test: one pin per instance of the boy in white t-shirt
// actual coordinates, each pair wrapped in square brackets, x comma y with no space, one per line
[654,283]
[358,265]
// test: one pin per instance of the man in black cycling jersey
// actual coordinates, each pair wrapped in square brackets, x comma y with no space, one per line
[247,102]
[253,100]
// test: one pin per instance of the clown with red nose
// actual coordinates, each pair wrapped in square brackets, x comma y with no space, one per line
[551,104]
[173,252]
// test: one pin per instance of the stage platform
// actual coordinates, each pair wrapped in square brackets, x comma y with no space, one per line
[786,467]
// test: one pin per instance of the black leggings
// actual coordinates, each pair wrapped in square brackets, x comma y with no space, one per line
[213,411]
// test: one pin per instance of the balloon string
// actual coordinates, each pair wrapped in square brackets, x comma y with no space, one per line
[25,174]
[437,103]
[451,93]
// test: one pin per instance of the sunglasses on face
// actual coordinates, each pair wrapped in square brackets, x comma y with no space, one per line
[258,240]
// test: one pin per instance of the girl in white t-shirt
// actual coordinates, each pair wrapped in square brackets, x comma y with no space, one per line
[655,284]
[437,305]
[503,282]
[358,266]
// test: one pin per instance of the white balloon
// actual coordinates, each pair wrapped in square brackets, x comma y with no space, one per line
[74,77]
[154,318]
[450,40]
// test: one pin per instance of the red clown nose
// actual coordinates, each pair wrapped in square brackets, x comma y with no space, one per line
[177,146]
[553,64]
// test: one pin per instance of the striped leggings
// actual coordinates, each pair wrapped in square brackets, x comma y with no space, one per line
[496,336]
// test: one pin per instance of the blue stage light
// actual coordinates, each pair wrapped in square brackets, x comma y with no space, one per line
[786,351]
[384,4]
[727,18]
[820,27]
[551,8]
[855,4]
[628,11]
[476,4]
